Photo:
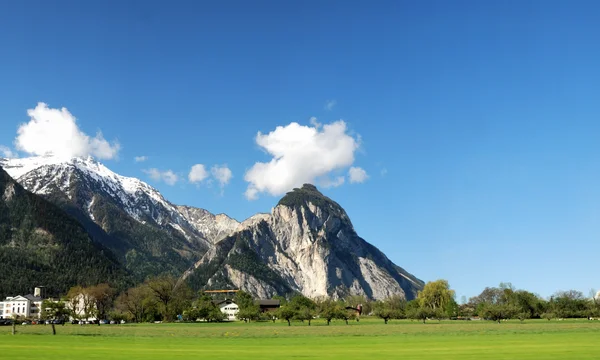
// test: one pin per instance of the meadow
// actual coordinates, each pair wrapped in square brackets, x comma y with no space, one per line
[370,338]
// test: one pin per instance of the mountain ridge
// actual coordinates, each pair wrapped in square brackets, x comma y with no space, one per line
[307,243]
[125,214]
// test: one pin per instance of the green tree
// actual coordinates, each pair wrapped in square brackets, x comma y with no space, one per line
[415,311]
[172,296]
[524,315]
[204,306]
[498,311]
[303,308]
[346,314]
[526,303]
[118,316]
[287,313]
[305,314]
[191,314]
[466,310]
[249,312]
[570,304]
[215,315]
[138,302]
[437,296]
[243,299]
[393,307]
[300,301]
[504,302]
[54,311]
[329,310]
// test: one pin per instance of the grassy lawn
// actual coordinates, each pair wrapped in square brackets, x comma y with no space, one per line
[534,339]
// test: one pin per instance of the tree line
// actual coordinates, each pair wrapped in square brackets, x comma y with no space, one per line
[437,301]
[164,299]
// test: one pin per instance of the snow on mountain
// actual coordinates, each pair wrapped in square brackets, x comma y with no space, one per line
[44,175]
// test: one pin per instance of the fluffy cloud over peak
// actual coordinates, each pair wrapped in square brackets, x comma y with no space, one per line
[197,174]
[357,175]
[335,182]
[55,131]
[168,176]
[140,158]
[222,174]
[301,154]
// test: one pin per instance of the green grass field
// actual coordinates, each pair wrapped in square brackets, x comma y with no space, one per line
[534,339]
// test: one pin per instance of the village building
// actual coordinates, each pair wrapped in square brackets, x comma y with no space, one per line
[228,307]
[231,309]
[268,305]
[24,306]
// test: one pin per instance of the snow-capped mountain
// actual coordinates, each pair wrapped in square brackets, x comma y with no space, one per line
[44,174]
[134,216]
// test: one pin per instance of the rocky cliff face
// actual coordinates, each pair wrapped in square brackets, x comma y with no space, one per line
[307,244]
[209,226]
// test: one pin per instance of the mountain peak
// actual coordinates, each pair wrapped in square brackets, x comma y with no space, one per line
[306,245]
[17,167]
[308,193]
[310,187]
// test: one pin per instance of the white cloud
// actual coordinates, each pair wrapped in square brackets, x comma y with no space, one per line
[383,172]
[338,181]
[55,131]
[6,152]
[140,158]
[313,121]
[169,177]
[330,104]
[222,173]
[197,173]
[357,175]
[301,154]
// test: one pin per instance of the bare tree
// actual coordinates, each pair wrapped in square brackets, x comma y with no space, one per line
[54,311]
[102,295]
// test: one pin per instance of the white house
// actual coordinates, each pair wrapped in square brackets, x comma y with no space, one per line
[28,306]
[229,308]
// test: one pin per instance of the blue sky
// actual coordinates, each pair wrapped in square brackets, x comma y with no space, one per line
[477,122]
